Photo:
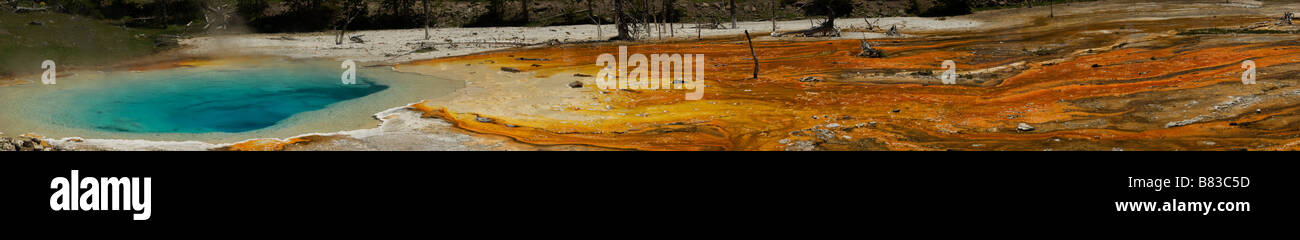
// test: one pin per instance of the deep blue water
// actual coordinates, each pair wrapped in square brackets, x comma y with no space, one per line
[229,101]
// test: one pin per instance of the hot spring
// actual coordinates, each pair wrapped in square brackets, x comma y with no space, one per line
[221,102]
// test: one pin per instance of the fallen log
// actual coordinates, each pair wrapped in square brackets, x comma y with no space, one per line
[868,51]
[30,9]
[826,29]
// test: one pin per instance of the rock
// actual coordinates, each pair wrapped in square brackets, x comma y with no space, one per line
[581,75]
[482,119]
[833,125]
[824,135]
[810,79]
[510,69]
[1024,127]
[575,84]
[802,146]
[6,147]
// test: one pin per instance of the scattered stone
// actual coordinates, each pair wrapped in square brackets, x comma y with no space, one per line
[581,75]
[897,110]
[832,125]
[35,23]
[823,134]
[535,65]
[575,84]
[26,144]
[532,59]
[482,119]
[510,69]
[802,146]
[810,79]
[1024,127]
[1096,65]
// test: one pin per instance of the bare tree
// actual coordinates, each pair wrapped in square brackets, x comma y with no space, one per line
[776,4]
[670,15]
[620,21]
[425,5]
[350,10]
[732,7]
[591,13]
[645,18]
[524,14]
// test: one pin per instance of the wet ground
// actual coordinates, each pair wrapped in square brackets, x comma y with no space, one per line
[1096,76]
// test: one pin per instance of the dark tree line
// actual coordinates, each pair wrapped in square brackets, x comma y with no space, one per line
[633,19]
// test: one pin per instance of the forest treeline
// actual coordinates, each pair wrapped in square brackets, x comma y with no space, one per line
[321,15]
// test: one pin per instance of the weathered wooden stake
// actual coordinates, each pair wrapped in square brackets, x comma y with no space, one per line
[751,53]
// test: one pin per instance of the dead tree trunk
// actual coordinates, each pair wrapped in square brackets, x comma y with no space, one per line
[752,54]
[524,15]
[425,5]
[350,12]
[868,51]
[732,6]
[669,15]
[620,22]
[645,18]
[591,13]
[826,29]
[776,4]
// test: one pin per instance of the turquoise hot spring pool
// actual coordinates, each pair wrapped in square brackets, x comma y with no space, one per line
[229,102]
